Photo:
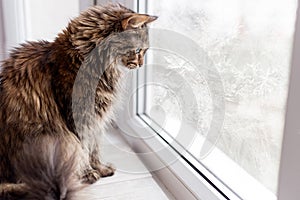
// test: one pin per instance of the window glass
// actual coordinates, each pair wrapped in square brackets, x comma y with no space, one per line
[237,85]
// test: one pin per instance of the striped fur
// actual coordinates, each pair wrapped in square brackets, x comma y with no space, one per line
[56,98]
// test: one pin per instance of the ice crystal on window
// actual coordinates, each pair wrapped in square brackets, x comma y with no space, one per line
[250,46]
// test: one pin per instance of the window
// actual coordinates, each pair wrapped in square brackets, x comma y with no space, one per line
[214,89]
[22,20]
[2,37]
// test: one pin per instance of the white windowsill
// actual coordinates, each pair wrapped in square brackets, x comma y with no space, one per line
[125,184]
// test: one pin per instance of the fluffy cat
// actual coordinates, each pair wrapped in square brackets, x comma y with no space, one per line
[56,98]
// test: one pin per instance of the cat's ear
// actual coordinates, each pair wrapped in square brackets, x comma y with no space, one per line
[137,20]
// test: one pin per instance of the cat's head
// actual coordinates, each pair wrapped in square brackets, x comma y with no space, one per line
[119,30]
[137,44]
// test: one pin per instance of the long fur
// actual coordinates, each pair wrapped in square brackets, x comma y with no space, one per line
[47,166]
[50,173]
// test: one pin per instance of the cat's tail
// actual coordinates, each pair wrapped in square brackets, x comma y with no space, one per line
[48,168]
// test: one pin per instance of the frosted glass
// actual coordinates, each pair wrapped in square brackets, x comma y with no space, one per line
[249,43]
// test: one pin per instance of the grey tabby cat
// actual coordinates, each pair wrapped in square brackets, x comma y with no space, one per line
[56,98]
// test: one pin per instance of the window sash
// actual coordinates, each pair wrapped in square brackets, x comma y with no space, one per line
[2,35]
[289,175]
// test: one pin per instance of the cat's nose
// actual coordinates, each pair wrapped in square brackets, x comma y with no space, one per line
[141,63]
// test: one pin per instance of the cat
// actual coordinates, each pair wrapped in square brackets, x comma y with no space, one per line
[56,98]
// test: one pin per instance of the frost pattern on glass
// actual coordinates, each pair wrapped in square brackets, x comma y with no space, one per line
[250,43]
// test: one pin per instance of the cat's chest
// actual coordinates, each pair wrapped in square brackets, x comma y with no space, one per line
[104,102]
[106,97]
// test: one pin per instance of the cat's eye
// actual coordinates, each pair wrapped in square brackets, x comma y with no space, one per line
[138,50]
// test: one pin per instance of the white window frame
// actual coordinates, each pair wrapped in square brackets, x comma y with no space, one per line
[13,24]
[2,34]
[289,176]
[16,22]
[181,180]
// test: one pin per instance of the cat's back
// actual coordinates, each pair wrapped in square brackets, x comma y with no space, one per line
[27,55]
[25,82]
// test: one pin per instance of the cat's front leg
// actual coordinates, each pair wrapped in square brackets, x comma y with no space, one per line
[90,141]
[89,174]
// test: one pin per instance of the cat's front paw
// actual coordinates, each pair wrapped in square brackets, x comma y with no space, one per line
[106,170]
[91,176]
